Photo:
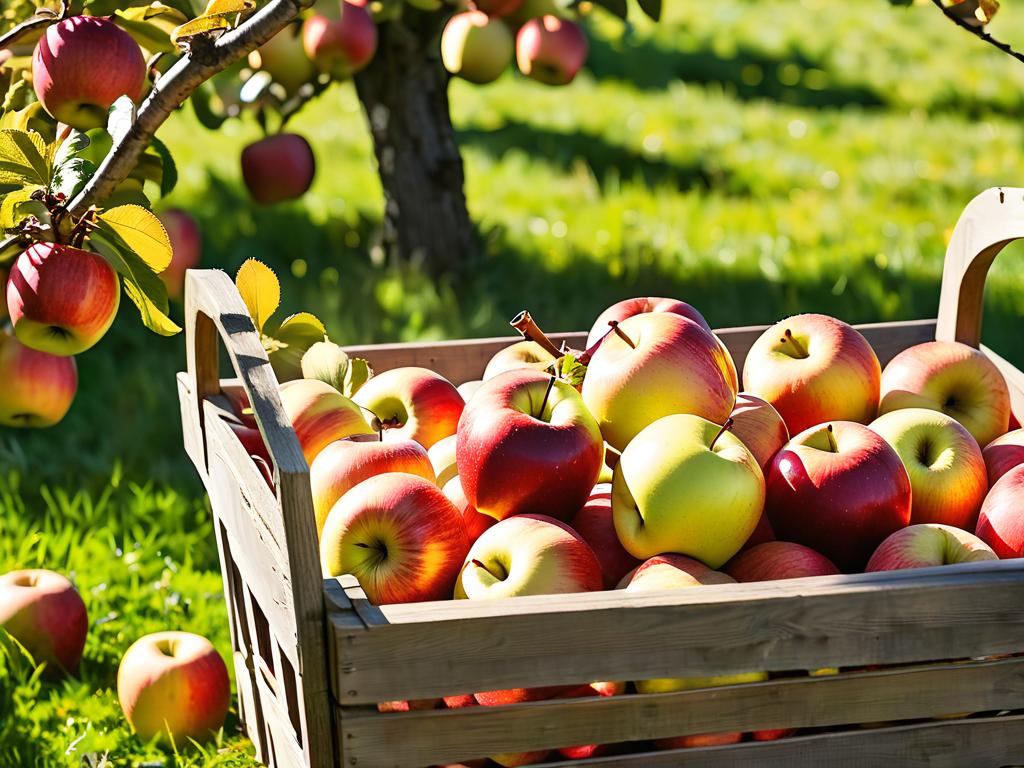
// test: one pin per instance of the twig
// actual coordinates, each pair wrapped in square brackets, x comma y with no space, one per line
[977,31]
[204,60]
[43,17]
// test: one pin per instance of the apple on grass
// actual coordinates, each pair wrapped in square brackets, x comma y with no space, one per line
[284,59]
[946,469]
[551,50]
[653,365]
[340,42]
[527,444]
[84,64]
[813,369]
[1001,522]
[476,47]
[953,378]
[345,463]
[686,485]
[43,611]
[521,354]
[61,299]
[759,427]
[626,308]
[412,404]
[186,247]
[839,489]
[596,526]
[924,545]
[278,168]
[1003,454]
[779,560]
[399,536]
[173,687]
[320,414]
[36,388]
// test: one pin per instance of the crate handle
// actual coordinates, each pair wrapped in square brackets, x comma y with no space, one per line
[989,223]
[214,311]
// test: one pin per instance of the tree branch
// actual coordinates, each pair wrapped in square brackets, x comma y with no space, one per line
[977,31]
[204,60]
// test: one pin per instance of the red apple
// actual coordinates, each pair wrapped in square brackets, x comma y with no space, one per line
[839,489]
[813,369]
[416,705]
[36,388]
[251,440]
[1003,454]
[526,443]
[522,354]
[779,560]
[476,523]
[413,404]
[595,524]
[476,47]
[341,43]
[43,611]
[173,687]
[345,463]
[320,414]
[61,299]
[638,306]
[699,740]
[953,378]
[1001,522]
[926,545]
[186,245]
[495,8]
[278,168]
[672,572]
[551,50]
[759,427]
[84,64]
[399,536]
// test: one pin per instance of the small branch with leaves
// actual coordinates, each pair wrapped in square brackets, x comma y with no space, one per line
[973,15]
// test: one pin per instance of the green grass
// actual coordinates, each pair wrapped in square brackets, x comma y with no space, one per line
[755,157]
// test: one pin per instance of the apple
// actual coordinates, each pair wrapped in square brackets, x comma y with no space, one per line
[603,689]
[341,43]
[495,8]
[521,758]
[551,50]
[924,545]
[476,47]
[626,308]
[320,414]
[468,388]
[947,471]
[36,388]
[43,611]
[530,9]
[528,555]
[284,58]
[416,705]
[657,364]
[595,525]
[84,64]
[413,404]
[779,560]
[759,427]
[522,354]
[1003,454]
[173,687]
[700,740]
[251,440]
[399,536]
[343,464]
[186,247]
[61,299]
[278,168]
[813,369]
[442,459]
[839,489]
[672,572]
[1001,522]
[685,485]
[526,443]
[476,523]
[953,378]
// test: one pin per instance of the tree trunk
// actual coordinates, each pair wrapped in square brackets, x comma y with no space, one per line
[404,92]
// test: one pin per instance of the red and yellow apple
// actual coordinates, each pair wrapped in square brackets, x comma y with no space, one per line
[186,247]
[551,50]
[925,545]
[476,523]
[278,168]
[1001,522]
[341,42]
[476,47]
[596,525]
[628,307]
[284,58]
[521,354]
[442,459]
[759,427]
[1003,454]
[43,611]
[36,388]
[413,404]
[320,414]
[779,560]
[672,572]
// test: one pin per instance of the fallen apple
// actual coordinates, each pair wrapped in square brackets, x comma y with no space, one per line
[43,611]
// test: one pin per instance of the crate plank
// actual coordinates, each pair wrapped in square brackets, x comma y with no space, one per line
[287,753]
[895,617]
[381,740]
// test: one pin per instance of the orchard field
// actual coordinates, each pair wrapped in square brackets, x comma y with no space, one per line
[753,157]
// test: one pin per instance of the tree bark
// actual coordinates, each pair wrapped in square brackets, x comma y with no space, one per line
[404,92]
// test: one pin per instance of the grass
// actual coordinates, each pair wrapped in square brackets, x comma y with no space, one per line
[755,157]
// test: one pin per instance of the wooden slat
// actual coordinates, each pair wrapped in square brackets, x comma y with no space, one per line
[287,753]
[894,617]
[191,428]
[379,740]
[1014,381]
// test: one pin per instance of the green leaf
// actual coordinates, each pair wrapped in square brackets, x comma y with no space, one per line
[359,372]
[19,119]
[615,7]
[23,158]
[202,105]
[291,341]
[11,248]
[10,215]
[143,232]
[148,35]
[571,370]
[71,171]
[169,177]
[652,8]
[120,117]
[258,286]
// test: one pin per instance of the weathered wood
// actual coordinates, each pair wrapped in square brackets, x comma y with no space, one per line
[286,749]
[191,429]
[427,737]
[1014,381]
[881,618]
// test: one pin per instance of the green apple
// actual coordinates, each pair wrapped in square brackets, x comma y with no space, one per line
[476,47]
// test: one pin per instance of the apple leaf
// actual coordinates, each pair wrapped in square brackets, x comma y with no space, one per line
[18,119]
[571,370]
[291,341]
[120,117]
[11,209]
[11,248]
[23,158]
[615,7]
[260,291]
[70,170]
[202,104]
[651,7]
[143,232]
[219,15]
[169,170]
[148,35]
[327,362]
[359,372]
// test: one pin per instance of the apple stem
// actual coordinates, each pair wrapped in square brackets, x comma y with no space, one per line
[801,351]
[620,333]
[375,423]
[592,349]
[362,545]
[525,324]
[725,428]
[547,393]
[478,564]
[831,439]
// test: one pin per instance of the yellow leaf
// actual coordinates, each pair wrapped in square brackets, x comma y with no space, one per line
[142,231]
[19,120]
[215,7]
[199,26]
[259,289]
[153,317]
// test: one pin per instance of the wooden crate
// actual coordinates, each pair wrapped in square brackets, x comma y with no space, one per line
[313,656]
